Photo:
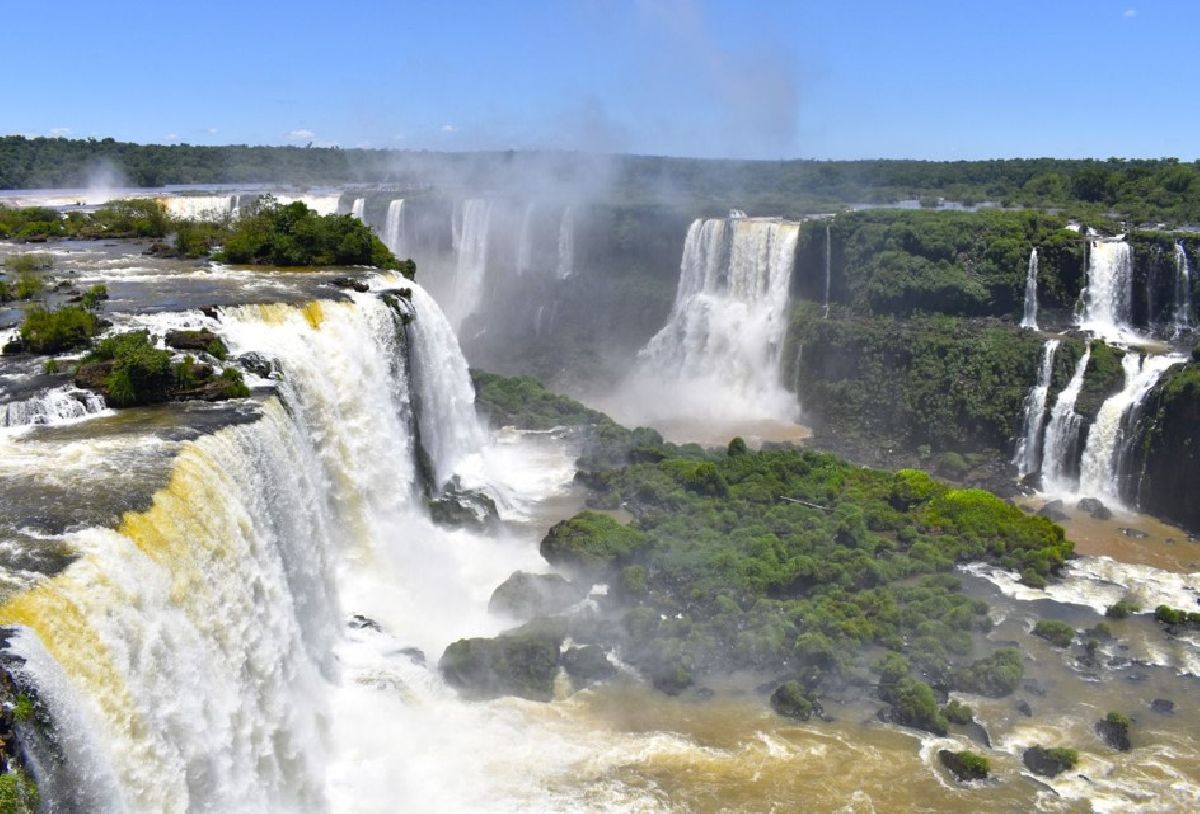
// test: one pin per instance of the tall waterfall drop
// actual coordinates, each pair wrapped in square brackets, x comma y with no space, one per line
[723,341]
[1028,457]
[1062,433]
[393,228]
[1099,468]
[472,220]
[525,240]
[1029,319]
[1108,296]
[1183,292]
[566,244]
[828,268]
[358,208]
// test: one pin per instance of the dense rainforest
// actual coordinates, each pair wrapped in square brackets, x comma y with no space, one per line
[1162,189]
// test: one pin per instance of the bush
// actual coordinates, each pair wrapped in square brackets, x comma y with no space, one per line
[590,542]
[94,296]
[1122,608]
[1059,634]
[995,676]
[957,712]
[965,765]
[790,701]
[18,793]
[914,704]
[66,328]
[28,262]
[139,373]
[1050,762]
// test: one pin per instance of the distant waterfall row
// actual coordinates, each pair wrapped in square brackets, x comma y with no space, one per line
[221,207]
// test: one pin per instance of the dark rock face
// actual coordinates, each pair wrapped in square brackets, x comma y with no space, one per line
[354,285]
[463,509]
[1053,511]
[1024,708]
[524,595]
[202,341]
[258,364]
[1164,459]
[964,765]
[587,665]
[522,662]
[1095,508]
[1049,762]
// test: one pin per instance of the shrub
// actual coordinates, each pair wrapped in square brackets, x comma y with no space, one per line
[790,701]
[94,296]
[139,373]
[1122,608]
[66,328]
[966,765]
[18,793]
[995,676]
[29,261]
[591,542]
[1054,631]
[957,712]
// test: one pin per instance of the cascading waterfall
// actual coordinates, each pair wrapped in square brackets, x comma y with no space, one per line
[199,207]
[1062,433]
[472,220]
[393,228]
[321,204]
[1028,457]
[828,268]
[1029,319]
[566,244]
[1099,468]
[55,406]
[1183,292]
[525,241]
[1108,296]
[726,330]
[358,208]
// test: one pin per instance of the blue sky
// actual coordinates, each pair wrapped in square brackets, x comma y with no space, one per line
[770,79]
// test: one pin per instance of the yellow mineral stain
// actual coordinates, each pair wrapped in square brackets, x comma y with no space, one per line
[315,314]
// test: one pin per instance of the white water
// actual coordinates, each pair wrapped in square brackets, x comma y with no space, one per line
[321,204]
[358,208]
[1028,457]
[57,406]
[472,220]
[393,228]
[1063,430]
[525,241]
[566,244]
[1183,292]
[1108,296]
[199,207]
[1100,465]
[1029,319]
[719,354]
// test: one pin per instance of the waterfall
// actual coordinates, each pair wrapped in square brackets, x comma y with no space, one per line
[525,241]
[725,333]
[1028,457]
[1062,433]
[472,219]
[321,204]
[1099,468]
[445,398]
[566,244]
[1183,292]
[55,406]
[393,228]
[1107,298]
[828,268]
[358,207]
[199,207]
[1029,320]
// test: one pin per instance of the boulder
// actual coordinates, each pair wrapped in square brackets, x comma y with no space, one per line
[1162,706]
[521,662]
[1096,509]
[1049,762]
[791,701]
[258,364]
[1133,534]
[524,595]
[463,508]
[201,341]
[1114,730]
[965,765]
[1054,511]
[349,282]
[587,665]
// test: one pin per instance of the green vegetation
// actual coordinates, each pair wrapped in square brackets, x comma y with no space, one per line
[522,662]
[1059,634]
[965,765]
[591,543]
[94,296]
[18,793]
[1114,729]
[138,217]
[1176,618]
[1122,609]
[1050,762]
[957,712]
[130,371]
[294,235]
[523,402]
[995,675]
[792,701]
[28,261]
[66,328]
[23,708]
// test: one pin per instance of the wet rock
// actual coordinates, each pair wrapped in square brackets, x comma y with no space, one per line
[211,311]
[1049,762]
[1053,511]
[13,347]
[348,282]
[791,701]
[978,733]
[521,662]
[587,665]
[415,654]
[1024,708]
[464,508]
[258,364]
[202,341]
[965,765]
[524,595]
[360,622]
[1114,730]
[1133,534]
[1094,508]
[1162,706]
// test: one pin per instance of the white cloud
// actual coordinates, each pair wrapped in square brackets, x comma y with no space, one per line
[449,128]
[212,131]
[172,137]
[301,134]
[1129,12]
[60,131]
